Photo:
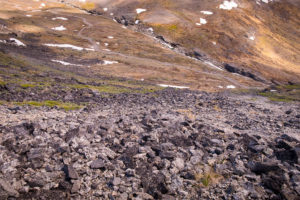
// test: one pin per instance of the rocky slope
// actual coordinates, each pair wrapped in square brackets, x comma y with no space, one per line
[175,144]
[85,113]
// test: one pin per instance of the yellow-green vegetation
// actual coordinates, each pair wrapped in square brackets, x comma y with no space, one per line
[88,6]
[63,105]
[2,83]
[277,97]
[284,93]
[117,89]
[7,60]
[208,179]
[27,85]
[174,30]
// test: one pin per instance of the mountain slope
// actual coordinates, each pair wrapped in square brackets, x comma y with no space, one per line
[261,37]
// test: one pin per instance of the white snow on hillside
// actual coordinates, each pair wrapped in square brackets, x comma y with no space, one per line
[65,63]
[69,46]
[173,86]
[228,5]
[207,12]
[59,28]
[202,21]
[108,62]
[140,10]
[60,18]
[230,87]
[17,42]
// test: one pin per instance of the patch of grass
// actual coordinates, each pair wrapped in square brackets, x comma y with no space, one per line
[118,89]
[173,30]
[281,96]
[290,87]
[28,85]
[63,105]
[7,60]
[2,83]
[208,179]
[88,6]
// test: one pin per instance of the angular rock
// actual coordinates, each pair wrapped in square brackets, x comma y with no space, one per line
[70,172]
[98,164]
[7,189]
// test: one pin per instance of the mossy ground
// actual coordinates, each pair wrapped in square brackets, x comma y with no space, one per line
[283,93]
[63,105]
[24,77]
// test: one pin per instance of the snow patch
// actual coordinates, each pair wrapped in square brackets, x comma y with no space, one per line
[266,1]
[252,37]
[65,63]
[150,30]
[202,21]
[105,9]
[212,65]
[108,62]
[230,87]
[173,86]
[68,46]
[140,10]
[60,18]
[106,44]
[28,15]
[228,5]
[206,12]
[59,28]
[17,42]
[137,21]
[110,37]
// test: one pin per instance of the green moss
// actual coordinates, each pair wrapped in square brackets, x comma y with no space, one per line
[290,87]
[11,62]
[28,85]
[63,105]
[206,180]
[2,83]
[118,89]
[283,97]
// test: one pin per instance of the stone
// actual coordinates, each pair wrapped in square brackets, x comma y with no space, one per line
[260,168]
[116,181]
[178,163]
[70,172]
[75,186]
[8,189]
[98,164]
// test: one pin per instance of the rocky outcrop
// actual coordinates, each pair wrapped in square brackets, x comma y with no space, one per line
[233,69]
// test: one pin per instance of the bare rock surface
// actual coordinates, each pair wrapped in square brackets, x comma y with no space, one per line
[173,144]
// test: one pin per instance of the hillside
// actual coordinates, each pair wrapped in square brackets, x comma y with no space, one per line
[136,99]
